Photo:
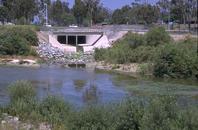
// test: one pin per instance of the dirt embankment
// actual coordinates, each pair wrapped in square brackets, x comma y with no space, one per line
[132,68]
[19,61]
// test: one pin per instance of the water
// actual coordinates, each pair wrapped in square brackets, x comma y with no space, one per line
[84,86]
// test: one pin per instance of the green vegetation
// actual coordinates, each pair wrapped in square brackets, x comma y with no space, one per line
[159,113]
[155,48]
[177,60]
[21,90]
[134,47]
[88,12]
[17,40]
[157,36]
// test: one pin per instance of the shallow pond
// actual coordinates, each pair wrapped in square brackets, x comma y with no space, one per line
[83,86]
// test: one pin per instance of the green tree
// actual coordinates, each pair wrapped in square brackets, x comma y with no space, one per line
[121,16]
[79,11]
[19,9]
[3,13]
[148,14]
[137,13]
[181,11]
[60,13]
[91,6]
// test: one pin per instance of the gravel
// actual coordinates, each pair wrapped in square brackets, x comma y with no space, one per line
[14,123]
[53,55]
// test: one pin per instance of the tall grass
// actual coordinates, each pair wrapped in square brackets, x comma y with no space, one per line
[21,90]
[160,113]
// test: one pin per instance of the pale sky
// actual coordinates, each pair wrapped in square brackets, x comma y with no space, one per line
[114,4]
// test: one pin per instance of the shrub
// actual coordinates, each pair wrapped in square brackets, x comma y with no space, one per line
[99,54]
[177,61]
[13,45]
[127,50]
[122,53]
[119,54]
[143,54]
[146,69]
[133,39]
[157,36]
[25,32]
[29,35]
[114,54]
[17,40]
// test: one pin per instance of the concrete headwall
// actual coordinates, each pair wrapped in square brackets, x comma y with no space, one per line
[91,39]
[103,42]
[66,48]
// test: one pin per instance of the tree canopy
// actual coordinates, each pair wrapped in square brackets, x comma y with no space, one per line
[89,12]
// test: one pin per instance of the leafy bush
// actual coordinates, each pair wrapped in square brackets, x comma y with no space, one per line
[157,36]
[177,61]
[99,54]
[25,32]
[143,54]
[119,54]
[17,40]
[132,48]
[122,53]
[13,45]
[133,39]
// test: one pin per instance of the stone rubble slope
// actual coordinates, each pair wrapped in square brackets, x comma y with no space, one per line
[13,123]
[55,55]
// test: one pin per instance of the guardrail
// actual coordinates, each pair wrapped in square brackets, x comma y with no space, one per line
[109,28]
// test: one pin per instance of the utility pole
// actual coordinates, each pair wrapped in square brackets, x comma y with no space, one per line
[169,13]
[46,14]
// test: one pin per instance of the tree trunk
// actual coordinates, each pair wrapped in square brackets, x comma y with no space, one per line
[189,23]
[184,22]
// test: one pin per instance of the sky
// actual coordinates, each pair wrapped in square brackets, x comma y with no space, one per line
[113,4]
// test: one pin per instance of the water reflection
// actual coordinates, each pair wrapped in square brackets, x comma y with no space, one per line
[91,94]
[79,84]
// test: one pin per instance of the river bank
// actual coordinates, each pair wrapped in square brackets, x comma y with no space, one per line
[24,61]
[127,69]
[9,122]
